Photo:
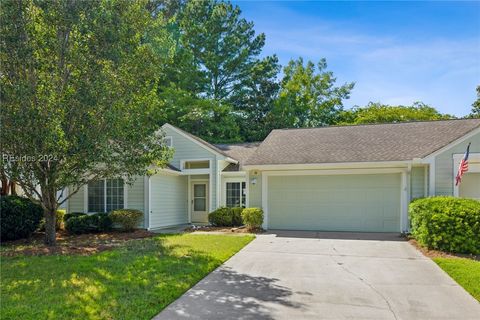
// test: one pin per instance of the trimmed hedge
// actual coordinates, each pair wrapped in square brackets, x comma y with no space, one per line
[253,217]
[128,219]
[84,223]
[19,217]
[446,223]
[226,217]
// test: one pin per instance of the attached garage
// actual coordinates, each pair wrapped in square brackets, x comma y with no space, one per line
[346,202]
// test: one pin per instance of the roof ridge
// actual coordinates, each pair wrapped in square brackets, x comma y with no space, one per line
[236,143]
[379,124]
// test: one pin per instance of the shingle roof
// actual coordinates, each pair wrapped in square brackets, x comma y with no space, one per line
[359,143]
[238,151]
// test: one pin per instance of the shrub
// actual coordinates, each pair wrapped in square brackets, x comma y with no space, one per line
[128,219]
[252,217]
[73,214]
[60,219]
[237,216]
[19,217]
[446,223]
[83,223]
[222,217]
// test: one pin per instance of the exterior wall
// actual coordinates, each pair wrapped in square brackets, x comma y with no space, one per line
[186,149]
[255,191]
[169,202]
[417,180]
[444,174]
[76,202]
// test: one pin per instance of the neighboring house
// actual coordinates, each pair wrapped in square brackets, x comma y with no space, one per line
[339,178]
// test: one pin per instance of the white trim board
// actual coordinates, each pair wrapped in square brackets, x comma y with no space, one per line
[325,166]
[452,144]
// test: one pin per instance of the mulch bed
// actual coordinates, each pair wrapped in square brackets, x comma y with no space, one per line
[84,244]
[223,229]
[441,254]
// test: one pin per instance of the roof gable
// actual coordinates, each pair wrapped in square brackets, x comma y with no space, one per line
[204,144]
[360,143]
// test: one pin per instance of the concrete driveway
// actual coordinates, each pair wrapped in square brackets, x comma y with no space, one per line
[312,275]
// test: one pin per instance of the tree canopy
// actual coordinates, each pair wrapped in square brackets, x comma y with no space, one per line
[381,113]
[308,96]
[79,94]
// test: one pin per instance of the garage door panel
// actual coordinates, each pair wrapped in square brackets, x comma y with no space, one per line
[335,203]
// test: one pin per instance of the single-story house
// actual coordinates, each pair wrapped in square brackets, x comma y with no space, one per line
[338,178]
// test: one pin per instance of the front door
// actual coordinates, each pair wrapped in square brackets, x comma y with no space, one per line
[199,202]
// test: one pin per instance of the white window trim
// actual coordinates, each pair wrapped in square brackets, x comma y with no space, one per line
[85,196]
[224,189]
[473,157]
[183,161]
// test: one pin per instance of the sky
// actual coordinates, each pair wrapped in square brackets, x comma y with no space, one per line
[395,52]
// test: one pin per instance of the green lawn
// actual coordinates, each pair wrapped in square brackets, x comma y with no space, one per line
[465,271]
[133,282]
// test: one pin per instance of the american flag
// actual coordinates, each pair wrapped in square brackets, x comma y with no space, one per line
[463,167]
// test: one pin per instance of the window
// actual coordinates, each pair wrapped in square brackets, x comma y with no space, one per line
[235,194]
[204,164]
[105,195]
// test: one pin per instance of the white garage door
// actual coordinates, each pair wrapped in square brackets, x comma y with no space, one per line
[369,203]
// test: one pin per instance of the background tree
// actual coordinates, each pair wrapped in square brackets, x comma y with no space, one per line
[79,95]
[255,101]
[476,105]
[217,59]
[224,46]
[381,113]
[308,96]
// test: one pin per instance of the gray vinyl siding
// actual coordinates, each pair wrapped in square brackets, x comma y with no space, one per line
[444,173]
[255,191]
[169,204]
[135,195]
[186,149]
[75,202]
[417,179]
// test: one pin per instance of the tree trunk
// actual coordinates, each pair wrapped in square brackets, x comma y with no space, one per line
[50,234]
[13,188]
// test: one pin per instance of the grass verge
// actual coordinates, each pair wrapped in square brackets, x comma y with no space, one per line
[465,272]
